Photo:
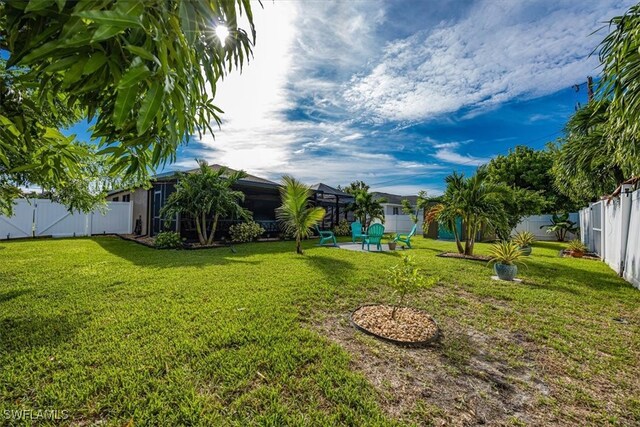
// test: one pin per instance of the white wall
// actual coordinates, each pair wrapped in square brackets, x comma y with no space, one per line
[42,217]
[534,222]
[612,230]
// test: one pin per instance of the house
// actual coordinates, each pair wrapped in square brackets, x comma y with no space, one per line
[397,221]
[335,202]
[262,197]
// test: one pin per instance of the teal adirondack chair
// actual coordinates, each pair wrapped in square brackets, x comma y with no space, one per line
[406,238]
[374,235]
[356,231]
[326,236]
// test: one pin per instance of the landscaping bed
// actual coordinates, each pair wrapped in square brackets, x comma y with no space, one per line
[408,327]
[483,258]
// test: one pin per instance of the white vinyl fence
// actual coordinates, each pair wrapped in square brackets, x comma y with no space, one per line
[537,224]
[611,229]
[42,217]
[400,224]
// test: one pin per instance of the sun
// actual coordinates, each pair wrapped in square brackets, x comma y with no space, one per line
[222,32]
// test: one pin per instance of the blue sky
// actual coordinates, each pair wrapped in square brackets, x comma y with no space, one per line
[401,93]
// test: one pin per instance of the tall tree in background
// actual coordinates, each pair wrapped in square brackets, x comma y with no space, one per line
[142,72]
[207,196]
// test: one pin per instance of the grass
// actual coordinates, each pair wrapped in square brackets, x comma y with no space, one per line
[113,332]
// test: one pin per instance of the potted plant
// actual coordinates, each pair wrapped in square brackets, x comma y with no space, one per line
[576,248]
[524,239]
[392,244]
[505,256]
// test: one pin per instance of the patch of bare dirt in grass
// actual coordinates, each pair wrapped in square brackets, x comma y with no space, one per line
[459,380]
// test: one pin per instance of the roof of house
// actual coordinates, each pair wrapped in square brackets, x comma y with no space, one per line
[324,188]
[394,199]
[248,178]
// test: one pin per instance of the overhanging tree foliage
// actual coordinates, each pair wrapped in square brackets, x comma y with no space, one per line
[619,89]
[143,72]
[207,196]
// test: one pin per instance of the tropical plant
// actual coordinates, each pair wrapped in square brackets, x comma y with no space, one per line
[206,196]
[404,278]
[619,90]
[245,231]
[523,239]
[343,228]
[476,201]
[367,208]
[561,225]
[296,214]
[576,246]
[506,253]
[168,240]
[144,73]
[413,211]
[585,166]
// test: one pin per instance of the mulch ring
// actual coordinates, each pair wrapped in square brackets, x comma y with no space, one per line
[410,327]
[482,258]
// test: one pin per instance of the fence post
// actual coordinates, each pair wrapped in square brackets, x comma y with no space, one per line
[625,218]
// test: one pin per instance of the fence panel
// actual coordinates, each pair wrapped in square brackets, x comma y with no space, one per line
[632,257]
[597,226]
[42,217]
[538,224]
[116,219]
[612,234]
[21,223]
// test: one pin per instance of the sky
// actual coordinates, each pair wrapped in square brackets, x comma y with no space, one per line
[400,93]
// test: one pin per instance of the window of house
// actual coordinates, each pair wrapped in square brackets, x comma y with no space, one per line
[115,199]
[126,198]
[396,210]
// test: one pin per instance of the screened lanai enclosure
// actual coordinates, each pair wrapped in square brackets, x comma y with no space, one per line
[335,202]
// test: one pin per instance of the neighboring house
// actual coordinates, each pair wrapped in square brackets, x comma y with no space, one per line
[261,198]
[395,220]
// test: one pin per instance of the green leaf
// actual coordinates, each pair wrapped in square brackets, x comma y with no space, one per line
[112,18]
[133,76]
[124,103]
[105,32]
[41,52]
[142,53]
[36,5]
[74,73]
[97,60]
[150,107]
[62,64]
[187,21]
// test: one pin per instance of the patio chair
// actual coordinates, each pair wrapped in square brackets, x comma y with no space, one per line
[406,238]
[374,235]
[356,231]
[326,236]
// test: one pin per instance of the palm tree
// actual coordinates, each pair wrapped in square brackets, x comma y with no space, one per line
[296,214]
[585,165]
[207,196]
[366,208]
[476,201]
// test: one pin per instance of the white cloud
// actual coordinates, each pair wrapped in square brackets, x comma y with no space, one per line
[498,52]
[450,156]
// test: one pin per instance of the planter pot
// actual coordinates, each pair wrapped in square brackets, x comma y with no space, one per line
[526,250]
[392,246]
[505,272]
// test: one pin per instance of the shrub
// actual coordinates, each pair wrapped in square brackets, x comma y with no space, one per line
[245,231]
[168,240]
[343,228]
[577,246]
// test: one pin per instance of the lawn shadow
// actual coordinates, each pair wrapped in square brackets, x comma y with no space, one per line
[26,333]
[8,296]
[169,258]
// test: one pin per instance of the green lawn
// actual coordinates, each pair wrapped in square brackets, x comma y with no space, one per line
[111,331]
